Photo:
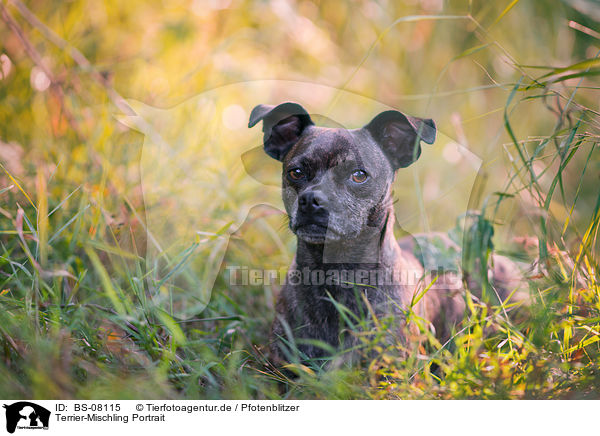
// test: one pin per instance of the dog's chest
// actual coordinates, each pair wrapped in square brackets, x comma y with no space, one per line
[342,292]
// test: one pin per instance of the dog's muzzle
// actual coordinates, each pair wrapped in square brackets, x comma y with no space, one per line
[312,215]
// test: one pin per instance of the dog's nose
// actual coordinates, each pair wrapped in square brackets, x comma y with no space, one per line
[311,201]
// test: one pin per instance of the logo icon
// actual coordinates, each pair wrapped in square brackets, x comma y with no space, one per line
[26,415]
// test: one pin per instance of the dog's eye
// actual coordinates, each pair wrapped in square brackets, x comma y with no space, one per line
[296,174]
[359,176]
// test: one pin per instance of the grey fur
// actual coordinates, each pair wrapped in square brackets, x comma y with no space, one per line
[343,225]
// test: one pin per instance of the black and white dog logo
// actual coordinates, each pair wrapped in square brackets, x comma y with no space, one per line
[26,415]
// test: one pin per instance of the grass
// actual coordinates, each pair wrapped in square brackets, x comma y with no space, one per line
[105,293]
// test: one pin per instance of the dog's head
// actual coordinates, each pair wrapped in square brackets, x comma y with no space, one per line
[336,182]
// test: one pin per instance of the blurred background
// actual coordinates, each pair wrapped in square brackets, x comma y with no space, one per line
[125,150]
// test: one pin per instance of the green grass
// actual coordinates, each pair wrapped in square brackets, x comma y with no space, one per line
[93,292]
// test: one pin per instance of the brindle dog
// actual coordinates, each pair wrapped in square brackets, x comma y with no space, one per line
[337,191]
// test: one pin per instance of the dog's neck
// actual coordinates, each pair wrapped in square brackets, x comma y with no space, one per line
[375,247]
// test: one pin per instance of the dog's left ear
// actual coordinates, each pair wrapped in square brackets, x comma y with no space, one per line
[399,136]
[282,126]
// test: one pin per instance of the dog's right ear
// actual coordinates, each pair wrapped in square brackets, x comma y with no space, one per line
[282,126]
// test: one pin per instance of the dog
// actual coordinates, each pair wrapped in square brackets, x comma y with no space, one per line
[337,192]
